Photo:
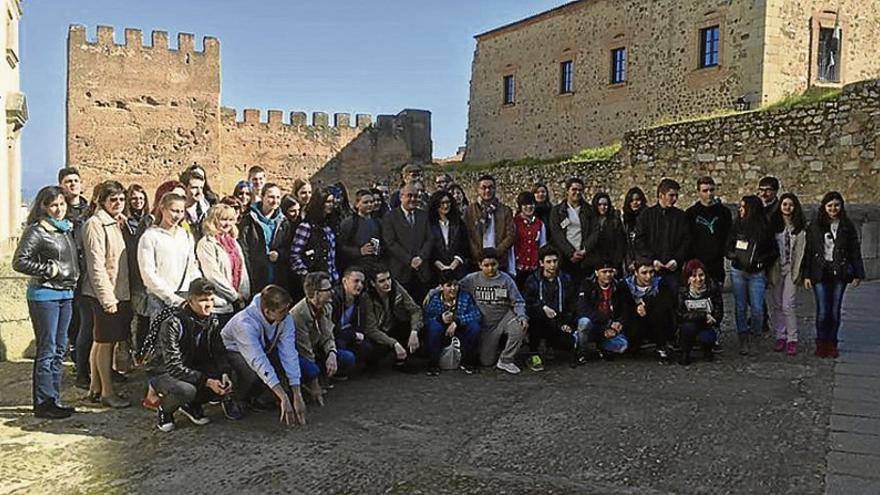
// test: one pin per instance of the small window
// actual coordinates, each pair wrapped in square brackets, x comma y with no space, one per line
[829,55]
[509,90]
[566,77]
[710,46]
[618,66]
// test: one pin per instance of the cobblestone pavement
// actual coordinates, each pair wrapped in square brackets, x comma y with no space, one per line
[740,425]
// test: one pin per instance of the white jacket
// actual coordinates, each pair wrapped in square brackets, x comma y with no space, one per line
[168,263]
[217,268]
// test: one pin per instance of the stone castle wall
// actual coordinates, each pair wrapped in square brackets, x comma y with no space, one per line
[141,114]
[812,149]
[790,48]
[767,52]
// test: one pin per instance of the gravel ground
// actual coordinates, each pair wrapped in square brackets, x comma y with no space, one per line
[738,425]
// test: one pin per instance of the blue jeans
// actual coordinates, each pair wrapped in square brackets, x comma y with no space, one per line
[829,298]
[436,340]
[50,320]
[310,370]
[749,290]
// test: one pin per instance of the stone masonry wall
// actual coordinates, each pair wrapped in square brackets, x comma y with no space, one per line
[812,149]
[664,80]
[323,150]
[143,113]
[768,51]
[792,30]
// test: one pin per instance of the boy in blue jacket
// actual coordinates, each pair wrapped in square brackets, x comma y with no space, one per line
[451,312]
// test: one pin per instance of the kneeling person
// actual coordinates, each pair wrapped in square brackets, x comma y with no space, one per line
[191,366]
[652,315]
[392,320]
[550,306]
[503,310]
[312,317]
[603,307]
[261,345]
[451,312]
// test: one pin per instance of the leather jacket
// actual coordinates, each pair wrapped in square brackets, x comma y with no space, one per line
[192,348]
[48,255]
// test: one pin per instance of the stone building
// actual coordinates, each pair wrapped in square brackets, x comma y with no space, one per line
[141,114]
[582,74]
[13,101]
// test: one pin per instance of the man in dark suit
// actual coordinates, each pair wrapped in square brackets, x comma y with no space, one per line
[408,243]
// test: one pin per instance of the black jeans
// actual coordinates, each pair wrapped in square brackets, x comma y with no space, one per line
[658,325]
[550,331]
[175,393]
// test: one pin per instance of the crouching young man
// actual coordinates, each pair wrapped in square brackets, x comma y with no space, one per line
[393,321]
[312,317]
[550,305]
[603,307]
[451,312]
[503,310]
[261,345]
[652,314]
[191,367]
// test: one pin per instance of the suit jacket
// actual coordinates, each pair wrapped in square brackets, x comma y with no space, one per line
[505,231]
[445,252]
[404,242]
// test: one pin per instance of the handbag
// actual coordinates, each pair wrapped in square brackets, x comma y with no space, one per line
[450,356]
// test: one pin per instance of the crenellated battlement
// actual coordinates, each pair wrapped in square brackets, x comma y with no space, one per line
[105,37]
[142,113]
[276,118]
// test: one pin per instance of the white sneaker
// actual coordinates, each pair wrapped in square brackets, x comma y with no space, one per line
[508,367]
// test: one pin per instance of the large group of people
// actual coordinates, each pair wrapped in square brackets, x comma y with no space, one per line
[267,297]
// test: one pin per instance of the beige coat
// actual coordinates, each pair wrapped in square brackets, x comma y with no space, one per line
[774,274]
[217,268]
[106,260]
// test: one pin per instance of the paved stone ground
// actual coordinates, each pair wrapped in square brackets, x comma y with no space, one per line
[739,425]
[854,456]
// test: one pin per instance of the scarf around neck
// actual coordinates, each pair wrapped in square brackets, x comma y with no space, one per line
[231,247]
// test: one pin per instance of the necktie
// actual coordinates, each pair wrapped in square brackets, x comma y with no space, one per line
[411,218]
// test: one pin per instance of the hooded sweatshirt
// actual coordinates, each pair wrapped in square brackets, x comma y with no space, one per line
[251,335]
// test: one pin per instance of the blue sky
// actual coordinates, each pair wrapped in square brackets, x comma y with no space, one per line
[332,56]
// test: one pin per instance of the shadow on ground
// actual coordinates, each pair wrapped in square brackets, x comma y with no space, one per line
[738,425]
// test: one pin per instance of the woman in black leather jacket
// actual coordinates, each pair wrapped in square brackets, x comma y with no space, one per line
[833,259]
[752,249]
[47,252]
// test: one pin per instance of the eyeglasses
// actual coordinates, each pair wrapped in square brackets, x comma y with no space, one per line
[325,289]
[117,199]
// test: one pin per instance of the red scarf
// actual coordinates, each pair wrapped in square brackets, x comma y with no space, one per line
[230,245]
